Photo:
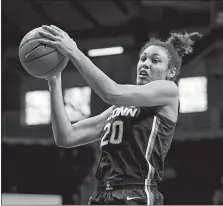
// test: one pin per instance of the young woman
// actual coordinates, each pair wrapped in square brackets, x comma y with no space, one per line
[137,130]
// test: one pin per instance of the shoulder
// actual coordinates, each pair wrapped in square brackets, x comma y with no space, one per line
[172,87]
[170,110]
[166,85]
[164,88]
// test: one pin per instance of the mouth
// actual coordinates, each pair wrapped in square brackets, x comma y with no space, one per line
[143,73]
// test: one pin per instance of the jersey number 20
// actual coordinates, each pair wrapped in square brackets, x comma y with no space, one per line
[115,134]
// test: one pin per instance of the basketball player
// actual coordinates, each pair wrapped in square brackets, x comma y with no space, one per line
[137,130]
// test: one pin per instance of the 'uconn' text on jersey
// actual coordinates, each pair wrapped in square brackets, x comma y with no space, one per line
[123,111]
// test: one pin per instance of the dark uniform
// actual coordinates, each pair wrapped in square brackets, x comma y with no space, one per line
[134,144]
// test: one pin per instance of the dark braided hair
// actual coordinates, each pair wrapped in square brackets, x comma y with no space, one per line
[177,45]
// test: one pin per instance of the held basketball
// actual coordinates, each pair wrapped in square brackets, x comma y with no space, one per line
[40,60]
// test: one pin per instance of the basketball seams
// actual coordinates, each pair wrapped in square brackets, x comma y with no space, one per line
[38,57]
[55,66]
[37,69]
[33,49]
[51,69]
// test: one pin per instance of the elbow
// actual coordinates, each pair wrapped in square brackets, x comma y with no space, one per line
[62,137]
[61,141]
[59,144]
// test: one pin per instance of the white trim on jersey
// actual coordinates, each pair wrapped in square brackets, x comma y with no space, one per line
[147,192]
[147,156]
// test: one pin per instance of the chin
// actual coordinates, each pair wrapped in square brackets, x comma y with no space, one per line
[142,82]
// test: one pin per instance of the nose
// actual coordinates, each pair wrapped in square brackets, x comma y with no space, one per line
[145,66]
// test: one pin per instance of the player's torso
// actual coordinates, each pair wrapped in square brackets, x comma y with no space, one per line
[133,143]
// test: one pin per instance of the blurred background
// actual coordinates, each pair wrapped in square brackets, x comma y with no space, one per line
[36,171]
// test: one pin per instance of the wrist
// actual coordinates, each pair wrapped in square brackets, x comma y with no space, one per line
[54,81]
[74,52]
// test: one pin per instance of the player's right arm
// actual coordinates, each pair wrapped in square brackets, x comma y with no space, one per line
[66,134]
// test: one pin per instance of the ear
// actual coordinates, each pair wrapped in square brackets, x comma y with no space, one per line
[171,72]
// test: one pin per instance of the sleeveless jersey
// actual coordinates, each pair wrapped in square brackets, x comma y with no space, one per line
[134,144]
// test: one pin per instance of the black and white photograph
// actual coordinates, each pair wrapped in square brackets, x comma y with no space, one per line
[111,102]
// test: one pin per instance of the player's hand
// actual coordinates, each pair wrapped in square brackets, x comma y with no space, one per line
[56,37]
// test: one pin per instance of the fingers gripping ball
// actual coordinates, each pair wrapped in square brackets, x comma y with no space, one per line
[40,60]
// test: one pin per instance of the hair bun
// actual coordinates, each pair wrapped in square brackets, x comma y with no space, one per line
[183,42]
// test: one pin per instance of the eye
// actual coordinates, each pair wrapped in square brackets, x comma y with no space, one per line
[143,58]
[155,60]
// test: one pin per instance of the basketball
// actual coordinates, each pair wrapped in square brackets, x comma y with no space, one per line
[40,60]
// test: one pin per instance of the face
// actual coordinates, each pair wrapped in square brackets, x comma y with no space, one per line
[152,65]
